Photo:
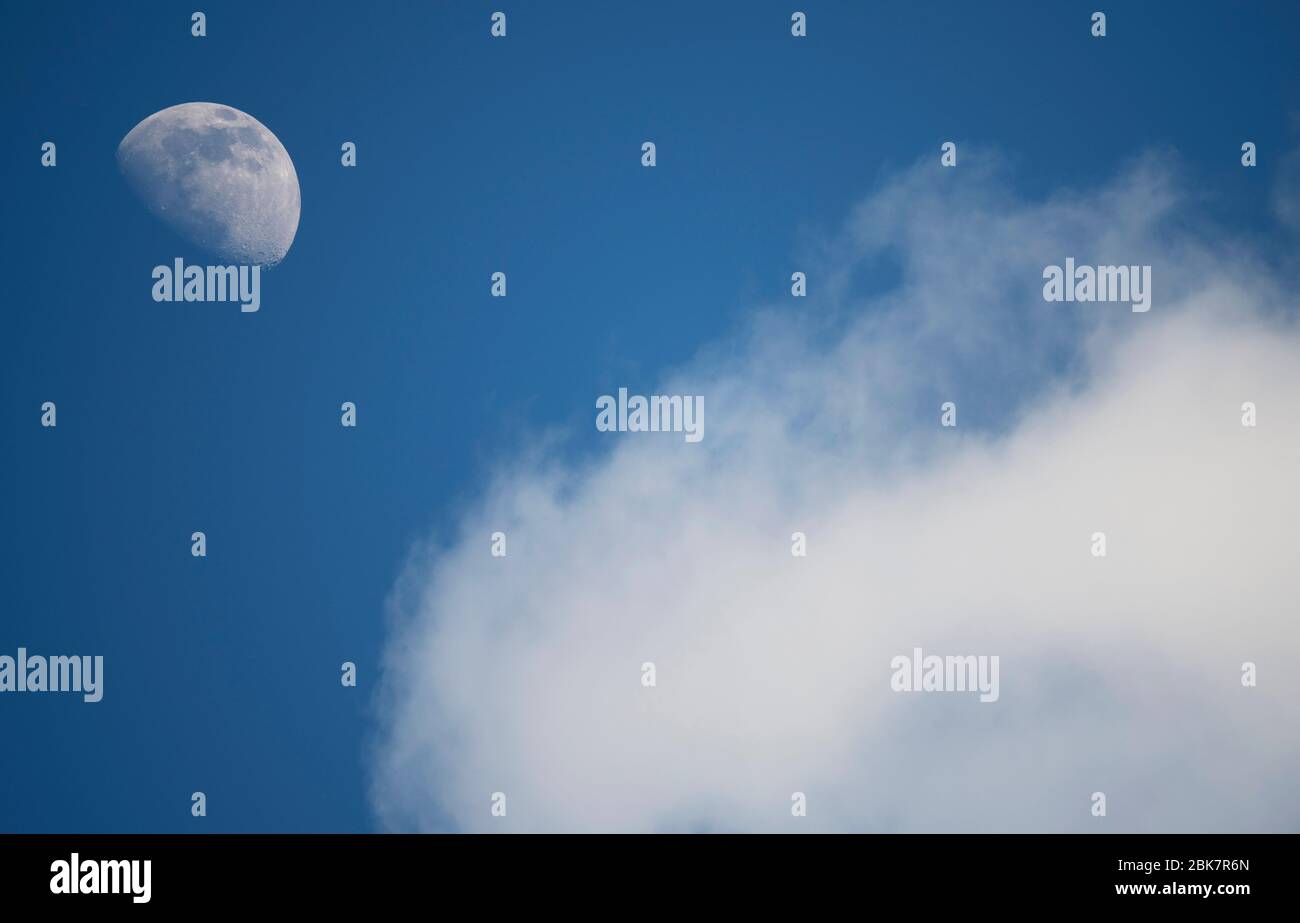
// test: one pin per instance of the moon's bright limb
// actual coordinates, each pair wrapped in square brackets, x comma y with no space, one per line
[218,177]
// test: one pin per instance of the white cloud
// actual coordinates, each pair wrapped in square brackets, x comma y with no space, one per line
[1118,674]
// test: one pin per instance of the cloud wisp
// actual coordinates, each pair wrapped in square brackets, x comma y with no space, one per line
[1118,674]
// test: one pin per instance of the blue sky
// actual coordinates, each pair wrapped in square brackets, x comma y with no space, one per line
[474,155]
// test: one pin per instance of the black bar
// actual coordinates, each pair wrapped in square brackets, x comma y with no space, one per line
[213,871]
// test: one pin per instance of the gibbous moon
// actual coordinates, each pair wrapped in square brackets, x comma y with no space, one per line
[218,177]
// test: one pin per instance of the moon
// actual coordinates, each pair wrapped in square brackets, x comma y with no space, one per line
[218,177]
